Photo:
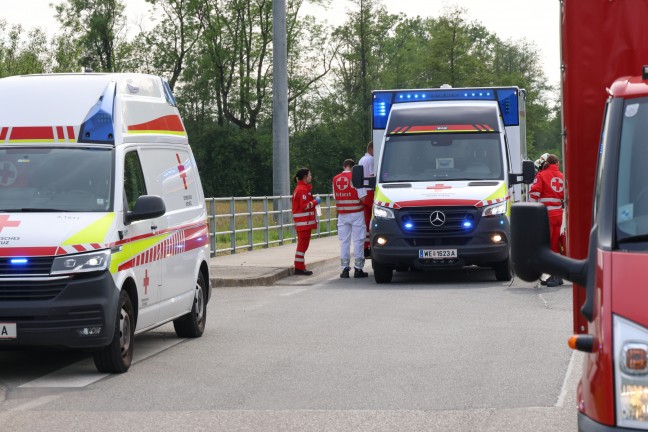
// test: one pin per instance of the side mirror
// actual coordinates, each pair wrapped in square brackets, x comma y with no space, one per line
[146,207]
[528,172]
[357,177]
[530,250]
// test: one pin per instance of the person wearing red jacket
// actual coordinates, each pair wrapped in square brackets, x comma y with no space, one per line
[351,223]
[303,210]
[549,189]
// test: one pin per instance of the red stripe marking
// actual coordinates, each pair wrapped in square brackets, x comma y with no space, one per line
[3,133]
[439,202]
[32,133]
[79,248]
[28,251]
[168,123]
[70,131]
[96,245]
[59,132]
[437,128]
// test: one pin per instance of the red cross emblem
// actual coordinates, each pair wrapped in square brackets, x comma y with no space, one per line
[4,222]
[146,281]
[181,170]
[342,183]
[439,187]
[8,173]
[557,184]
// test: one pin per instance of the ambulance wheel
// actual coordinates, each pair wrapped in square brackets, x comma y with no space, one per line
[117,357]
[382,273]
[503,270]
[192,325]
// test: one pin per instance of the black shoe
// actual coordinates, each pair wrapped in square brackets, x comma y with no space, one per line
[367,253]
[345,273]
[303,272]
[552,282]
[360,274]
[560,281]
[544,282]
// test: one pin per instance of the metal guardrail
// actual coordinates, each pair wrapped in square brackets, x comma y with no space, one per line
[245,223]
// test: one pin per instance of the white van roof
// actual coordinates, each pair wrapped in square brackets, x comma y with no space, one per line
[88,108]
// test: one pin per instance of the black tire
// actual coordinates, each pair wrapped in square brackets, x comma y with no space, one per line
[192,325]
[382,273]
[503,270]
[117,357]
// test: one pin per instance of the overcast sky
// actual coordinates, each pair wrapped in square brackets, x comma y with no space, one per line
[537,21]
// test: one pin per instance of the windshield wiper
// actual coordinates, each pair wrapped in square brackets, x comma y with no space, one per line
[634,239]
[37,210]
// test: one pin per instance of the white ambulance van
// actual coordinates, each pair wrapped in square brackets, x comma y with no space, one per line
[449,165]
[103,226]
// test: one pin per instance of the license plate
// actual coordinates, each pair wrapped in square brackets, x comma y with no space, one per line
[437,253]
[7,330]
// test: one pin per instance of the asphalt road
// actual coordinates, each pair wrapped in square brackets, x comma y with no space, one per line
[455,351]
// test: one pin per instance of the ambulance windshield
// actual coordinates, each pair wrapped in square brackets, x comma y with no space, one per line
[45,179]
[632,186]
[442,156]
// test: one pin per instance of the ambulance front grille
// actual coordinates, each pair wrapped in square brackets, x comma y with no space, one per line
[30,290]
[35,266]
[453,220]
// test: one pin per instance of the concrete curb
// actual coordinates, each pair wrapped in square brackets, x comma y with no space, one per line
[270,276]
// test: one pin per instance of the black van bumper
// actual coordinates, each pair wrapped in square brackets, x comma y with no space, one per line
[54,311]
[473,248]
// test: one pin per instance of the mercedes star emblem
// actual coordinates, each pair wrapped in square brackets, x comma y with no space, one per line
[437,218]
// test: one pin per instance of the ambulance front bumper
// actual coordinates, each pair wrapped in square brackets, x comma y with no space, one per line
[474,248]
[73,312]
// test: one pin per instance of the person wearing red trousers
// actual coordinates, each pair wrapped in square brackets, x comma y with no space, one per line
[549,189]
[303,210]
[367,195]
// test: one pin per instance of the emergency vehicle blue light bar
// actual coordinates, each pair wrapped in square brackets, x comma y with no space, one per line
[507,99]
[18,261]
[98,124]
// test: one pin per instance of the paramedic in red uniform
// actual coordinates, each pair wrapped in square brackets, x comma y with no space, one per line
[351,222]
[367,195]
[303,209]
[549,189]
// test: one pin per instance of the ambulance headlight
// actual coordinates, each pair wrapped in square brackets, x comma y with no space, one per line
[495,209]
[631,373]
[81,263]
[383,212]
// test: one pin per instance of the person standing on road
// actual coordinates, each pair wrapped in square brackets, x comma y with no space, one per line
[367,195]
[351,223]
[303,210]
[549,189]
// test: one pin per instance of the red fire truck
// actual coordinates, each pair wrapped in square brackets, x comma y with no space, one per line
[606,173]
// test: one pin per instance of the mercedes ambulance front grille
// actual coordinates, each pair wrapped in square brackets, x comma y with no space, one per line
[30,290]
[35,266]
[439,220]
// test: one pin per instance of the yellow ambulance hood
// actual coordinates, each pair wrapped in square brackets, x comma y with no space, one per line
[478,193]
[47,234]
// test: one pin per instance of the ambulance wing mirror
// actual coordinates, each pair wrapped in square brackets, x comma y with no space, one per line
[530,249]
[527,176]
[146,207]
[358,179]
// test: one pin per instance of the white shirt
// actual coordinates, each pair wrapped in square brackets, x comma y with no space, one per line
[367,161]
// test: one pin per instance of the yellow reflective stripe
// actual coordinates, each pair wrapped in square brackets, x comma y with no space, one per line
[94,233]
[132,249]
[380,196]
[500,192]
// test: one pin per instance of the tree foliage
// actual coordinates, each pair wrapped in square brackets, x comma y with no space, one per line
[217,56]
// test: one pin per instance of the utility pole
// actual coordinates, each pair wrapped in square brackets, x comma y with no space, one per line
[280,155]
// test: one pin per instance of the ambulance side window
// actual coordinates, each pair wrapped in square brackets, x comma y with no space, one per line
[134,185]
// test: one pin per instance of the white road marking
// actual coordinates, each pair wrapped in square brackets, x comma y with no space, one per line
[293,292]
[566,382]
[84,373]
[35,403]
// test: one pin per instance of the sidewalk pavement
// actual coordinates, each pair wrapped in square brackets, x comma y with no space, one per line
[266,266]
